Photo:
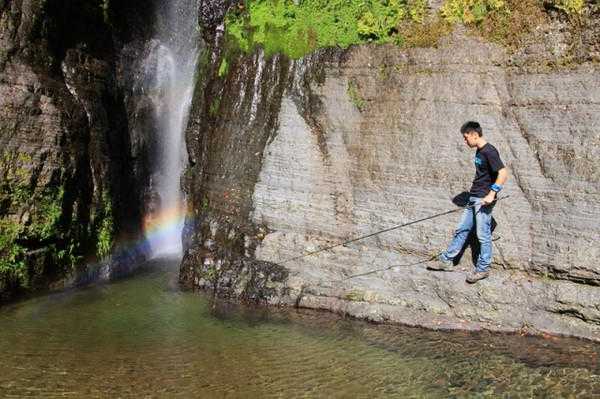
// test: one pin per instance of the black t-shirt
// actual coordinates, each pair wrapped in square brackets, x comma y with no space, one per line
[487,164]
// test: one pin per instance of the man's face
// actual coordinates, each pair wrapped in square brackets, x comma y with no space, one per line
[471,139]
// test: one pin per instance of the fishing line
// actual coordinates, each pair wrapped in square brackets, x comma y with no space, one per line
[388,229]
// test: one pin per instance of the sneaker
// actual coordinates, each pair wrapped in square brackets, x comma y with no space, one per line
[475,276]
[442,266]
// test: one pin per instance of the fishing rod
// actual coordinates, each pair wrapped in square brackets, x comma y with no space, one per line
[388,229]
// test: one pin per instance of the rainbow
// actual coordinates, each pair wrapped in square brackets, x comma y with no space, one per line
[162,236]
[162,230]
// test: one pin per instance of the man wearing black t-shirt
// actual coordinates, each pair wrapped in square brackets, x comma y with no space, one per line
[490,176]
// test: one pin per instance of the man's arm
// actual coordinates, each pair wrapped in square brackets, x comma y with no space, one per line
[500,180]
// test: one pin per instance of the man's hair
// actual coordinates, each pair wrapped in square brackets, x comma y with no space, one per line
[471,126]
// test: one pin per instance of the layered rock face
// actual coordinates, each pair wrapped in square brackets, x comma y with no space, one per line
[289,157]
[68,188]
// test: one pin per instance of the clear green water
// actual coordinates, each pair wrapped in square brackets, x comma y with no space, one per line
[143,337]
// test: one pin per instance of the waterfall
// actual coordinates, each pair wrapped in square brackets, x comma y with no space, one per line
[169,76]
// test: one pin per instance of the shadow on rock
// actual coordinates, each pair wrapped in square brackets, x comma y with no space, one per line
[462,200]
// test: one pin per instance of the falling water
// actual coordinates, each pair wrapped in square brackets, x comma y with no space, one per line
[169,71]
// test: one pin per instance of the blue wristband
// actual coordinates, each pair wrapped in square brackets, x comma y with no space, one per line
[496,187]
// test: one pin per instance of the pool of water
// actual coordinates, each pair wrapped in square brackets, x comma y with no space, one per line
[143,336]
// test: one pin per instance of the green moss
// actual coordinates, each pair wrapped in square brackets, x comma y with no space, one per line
[355,296]
[214,106]
[354,95]
[210,273]
[383,72]
[295,29]
[14,183]
[425,34]
[205,204]
[203,58]
[223,68]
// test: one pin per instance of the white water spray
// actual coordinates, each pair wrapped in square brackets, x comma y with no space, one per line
[170,75]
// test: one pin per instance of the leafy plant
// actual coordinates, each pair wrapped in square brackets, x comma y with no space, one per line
[476,11]
[380,19]
[469,11]
[12,265]
[105,237]
[297,28]
[46,213]
[570,6]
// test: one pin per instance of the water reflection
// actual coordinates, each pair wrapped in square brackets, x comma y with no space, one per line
[143,337]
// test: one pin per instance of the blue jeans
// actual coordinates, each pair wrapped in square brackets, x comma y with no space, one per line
[482,217]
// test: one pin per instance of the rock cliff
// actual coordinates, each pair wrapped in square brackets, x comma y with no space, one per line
[69,183]
[287,157]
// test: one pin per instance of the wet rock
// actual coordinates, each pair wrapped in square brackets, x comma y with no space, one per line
[212,13]
[64,122]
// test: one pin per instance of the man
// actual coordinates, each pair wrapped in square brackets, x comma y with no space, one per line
[490,176]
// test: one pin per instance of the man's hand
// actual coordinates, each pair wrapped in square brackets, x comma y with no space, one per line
[488,199]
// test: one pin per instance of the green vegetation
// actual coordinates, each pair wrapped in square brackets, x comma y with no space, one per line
[476,11]
[295,29]
[39,229]
[214,106]
[205,204]
[13,189]
[570,6]
[508,28]
[32,222]
[223,68]
[105,237]
[469,11]
[426,33]
[12,265]
[506,22]
[355,296]
[46,211]
[354,95]
[210,273]
[298,27]
[105,7]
